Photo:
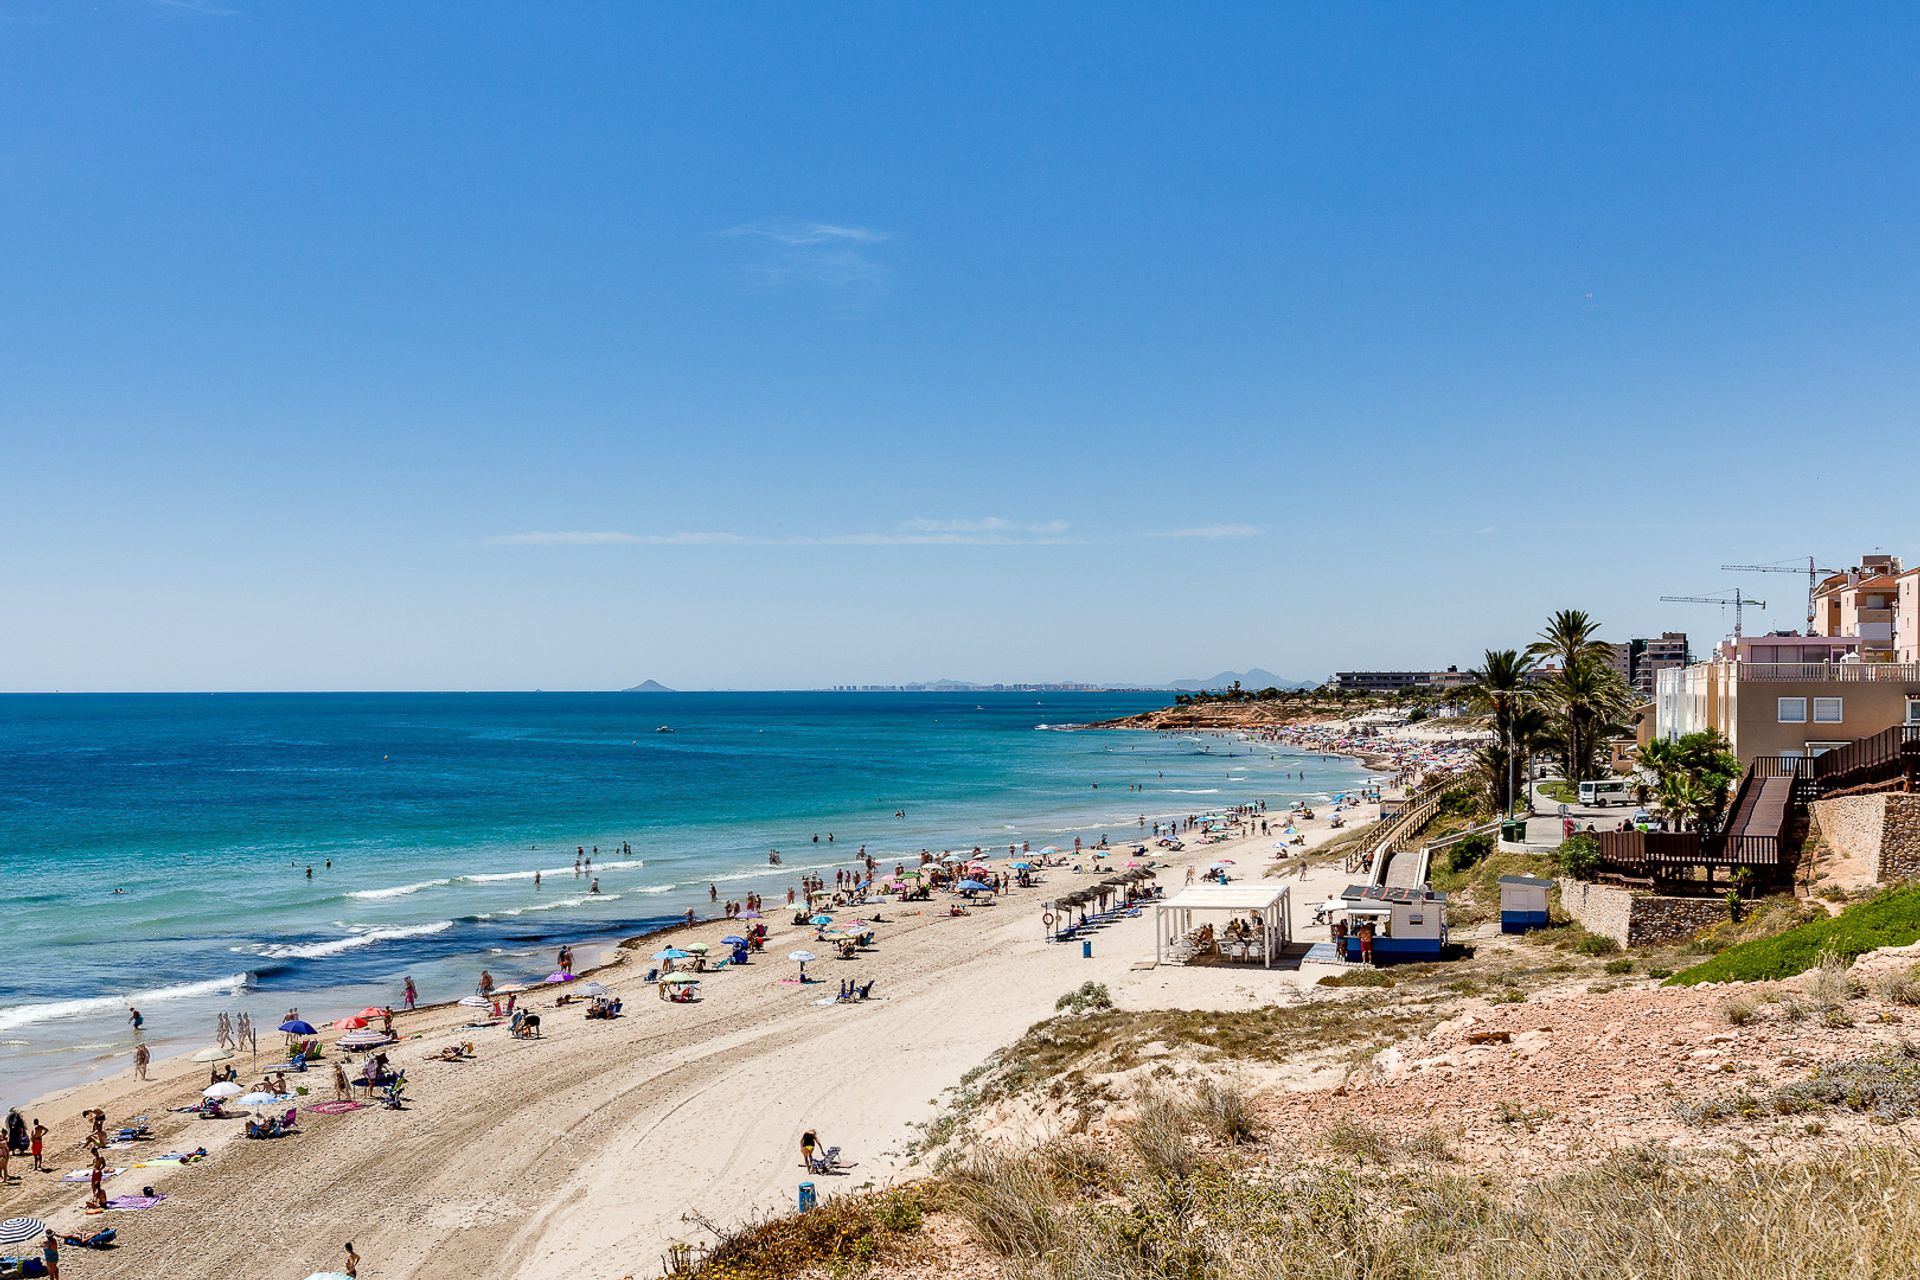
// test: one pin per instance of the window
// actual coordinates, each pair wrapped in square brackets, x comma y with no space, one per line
[1913,710]
[1826,711]
[1793,710]
[1821,748]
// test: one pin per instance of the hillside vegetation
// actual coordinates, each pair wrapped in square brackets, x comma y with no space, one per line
[1891,919]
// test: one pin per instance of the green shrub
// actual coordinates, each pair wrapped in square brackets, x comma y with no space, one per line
[1889,919]
[1469,852]
[1088,995]
[1622,965]
[1595,944]
[1579,857]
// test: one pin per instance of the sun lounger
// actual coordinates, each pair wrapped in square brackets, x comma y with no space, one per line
[101,1239]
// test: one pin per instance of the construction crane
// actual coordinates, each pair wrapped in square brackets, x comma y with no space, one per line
[1813,579]
[1738,601]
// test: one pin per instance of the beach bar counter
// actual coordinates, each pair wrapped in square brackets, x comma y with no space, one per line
[1523,903]
[1262,906]
[1408,924]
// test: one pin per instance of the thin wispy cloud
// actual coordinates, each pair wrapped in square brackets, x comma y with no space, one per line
[796,234]
[1212,532]
[834,260]
[574,538]
[985,531]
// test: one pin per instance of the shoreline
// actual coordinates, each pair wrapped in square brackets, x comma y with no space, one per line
[530,1151]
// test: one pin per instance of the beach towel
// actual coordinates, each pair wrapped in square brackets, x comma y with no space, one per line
[334,1108]
[86,1175]
[135,1202]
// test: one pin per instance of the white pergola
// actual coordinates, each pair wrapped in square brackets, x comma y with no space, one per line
[1265,904]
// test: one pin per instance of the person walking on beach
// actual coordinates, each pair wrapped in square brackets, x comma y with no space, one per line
[486,983]
[809,1143]
[409,997]
[39,1146]
[141,1057]
[341,1091]
[50,1254]
[353,1261]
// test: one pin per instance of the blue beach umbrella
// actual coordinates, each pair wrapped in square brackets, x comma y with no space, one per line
[1023,866]
[298,1028]
[972,886]
[673,953]
[734,939]
[823,918]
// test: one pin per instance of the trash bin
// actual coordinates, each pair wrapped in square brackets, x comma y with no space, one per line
[1514,830]
[807,1197]
[1086,948]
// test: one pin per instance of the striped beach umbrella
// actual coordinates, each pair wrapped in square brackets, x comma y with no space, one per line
[21,1230]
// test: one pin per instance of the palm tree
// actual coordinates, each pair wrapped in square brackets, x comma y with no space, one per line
[1500,688]
[1588,694]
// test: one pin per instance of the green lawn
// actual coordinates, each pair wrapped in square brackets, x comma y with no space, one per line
[1890,920]
[1562,790]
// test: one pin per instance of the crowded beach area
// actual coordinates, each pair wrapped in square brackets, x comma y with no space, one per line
[584,1126]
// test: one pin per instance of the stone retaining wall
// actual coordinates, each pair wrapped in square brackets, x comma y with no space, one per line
[1637,919]
[1883,831]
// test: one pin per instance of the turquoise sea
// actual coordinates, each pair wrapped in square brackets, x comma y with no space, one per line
[155,847]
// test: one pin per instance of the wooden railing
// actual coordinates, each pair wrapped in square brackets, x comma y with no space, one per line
[1388,836]
[1889,756]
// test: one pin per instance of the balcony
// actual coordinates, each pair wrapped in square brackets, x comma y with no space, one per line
[1831,672]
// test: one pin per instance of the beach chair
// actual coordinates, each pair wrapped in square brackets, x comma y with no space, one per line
[863,992]
[653,975]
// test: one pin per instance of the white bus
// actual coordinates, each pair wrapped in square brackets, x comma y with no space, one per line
[1604,792]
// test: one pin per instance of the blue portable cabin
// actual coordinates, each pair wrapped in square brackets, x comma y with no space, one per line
[1523,903]
[1408,924]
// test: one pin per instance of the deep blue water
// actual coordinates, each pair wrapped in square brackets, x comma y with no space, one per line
[155,847]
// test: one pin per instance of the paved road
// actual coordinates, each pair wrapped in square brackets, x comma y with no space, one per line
[1544,827]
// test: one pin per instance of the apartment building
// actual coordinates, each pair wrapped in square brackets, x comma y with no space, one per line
[1397,681]
[1906,616]
[1787,694]
[1861,602]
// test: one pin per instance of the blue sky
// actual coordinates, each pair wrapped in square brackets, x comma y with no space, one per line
[500,346]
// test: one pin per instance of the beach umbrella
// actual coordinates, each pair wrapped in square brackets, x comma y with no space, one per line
[749,914]
[1051,849]
[21,1230]
[559,975]
[801,956]
[972,886]
[372,1011]
[835,935]
[215,1054]
[225,1089]
[681,979]
[256,1099]
[355,1023]
[297,1028]
[592,989]
[734,940]
[1023,866]
[361,1039]
[673,953]
[823,918]
[699,948]
[953,857]
[476,1002]
[329,1275]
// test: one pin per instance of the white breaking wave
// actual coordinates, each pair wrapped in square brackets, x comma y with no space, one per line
[491,877]
[1203,791]
[335,946]
[398,891]
[559,903]
[27,1014]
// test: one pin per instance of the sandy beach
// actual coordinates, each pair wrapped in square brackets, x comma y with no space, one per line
[588,1152]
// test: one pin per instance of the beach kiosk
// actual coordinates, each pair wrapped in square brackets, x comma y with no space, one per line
[1523,903]
[1408,924]
[1263,904]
